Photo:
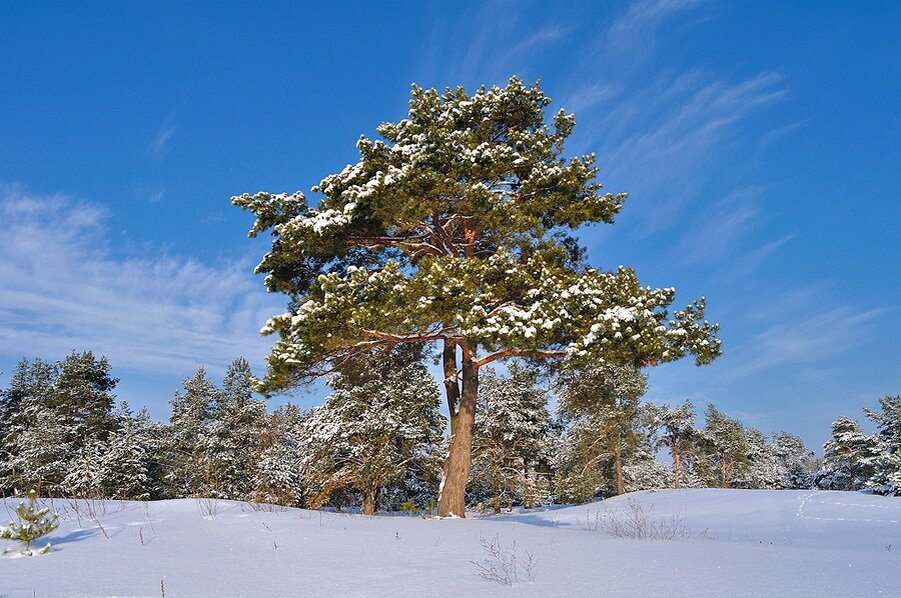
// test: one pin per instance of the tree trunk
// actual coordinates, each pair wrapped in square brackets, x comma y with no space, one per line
[497,495]
[618,467]
[724,476]
[455,475]
[677,456]
[369,501]
[451,386]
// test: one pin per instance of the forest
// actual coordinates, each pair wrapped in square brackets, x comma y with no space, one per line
[378,440]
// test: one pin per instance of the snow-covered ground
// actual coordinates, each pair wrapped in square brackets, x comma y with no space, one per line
[732,543]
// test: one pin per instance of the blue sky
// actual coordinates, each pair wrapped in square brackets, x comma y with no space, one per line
[760,144]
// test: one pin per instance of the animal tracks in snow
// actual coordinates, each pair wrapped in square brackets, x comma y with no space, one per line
[808,507]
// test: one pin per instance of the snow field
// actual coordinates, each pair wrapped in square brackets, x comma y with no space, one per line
[737,543]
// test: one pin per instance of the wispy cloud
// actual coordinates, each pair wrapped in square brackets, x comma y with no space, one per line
[811,338]
[161,142]
[666,137]
[64,289]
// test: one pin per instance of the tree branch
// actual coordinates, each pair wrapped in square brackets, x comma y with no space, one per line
[538,353]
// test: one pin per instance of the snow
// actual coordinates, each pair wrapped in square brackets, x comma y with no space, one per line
[739,543]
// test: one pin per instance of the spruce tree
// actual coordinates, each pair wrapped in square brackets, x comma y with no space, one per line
[455,228]
[85,475]
[22,407]
[277,474]
[127,472]
[797,462]
[764,469]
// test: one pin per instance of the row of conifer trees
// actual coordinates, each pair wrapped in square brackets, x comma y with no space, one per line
[378,440]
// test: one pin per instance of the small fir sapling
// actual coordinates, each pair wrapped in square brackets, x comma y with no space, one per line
[33,523]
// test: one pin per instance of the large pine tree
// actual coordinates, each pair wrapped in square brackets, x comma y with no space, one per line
[455,228]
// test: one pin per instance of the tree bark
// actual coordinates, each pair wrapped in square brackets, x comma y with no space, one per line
[677,456]
[618,467]
[452,497]
[451,386]
[369,501]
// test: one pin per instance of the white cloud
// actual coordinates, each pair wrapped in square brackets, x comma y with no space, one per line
[810,337]
[160,144]
[64,288]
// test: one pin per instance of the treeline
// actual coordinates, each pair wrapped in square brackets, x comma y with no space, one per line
[378,440]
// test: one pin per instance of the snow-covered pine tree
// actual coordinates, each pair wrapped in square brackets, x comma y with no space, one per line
[185,436]
[455,228]
[510,445]
[727,446]
[886,477]
[127,472]
[849,457]
[678,434]
[602,407]
[763,469]
[86,470]
[83,396]
[382,417]
[21,405]
[233,443]
[277,474]
[798,463]
[34,522]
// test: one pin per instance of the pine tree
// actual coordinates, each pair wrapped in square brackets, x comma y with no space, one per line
[22,407]
[886,477]
[602,406]
[33,523]
[55,411]
[510,450]
[727,445]
[189,426]
[277,474]
[455,228]
[797,462]
[83,396]
[678,435]
[849,457]
[381,418]
[126,473]
[233,442]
